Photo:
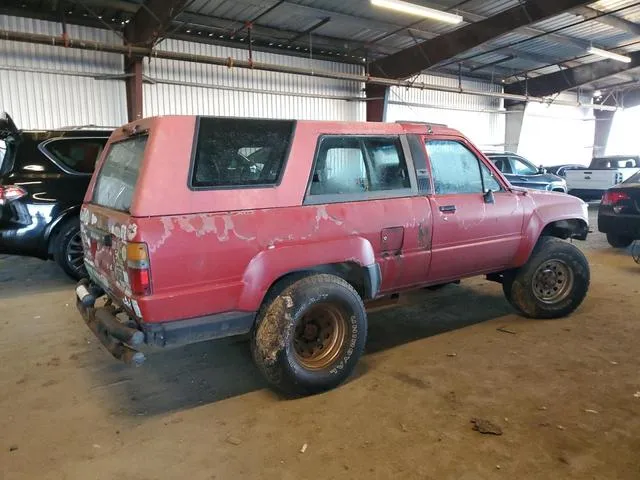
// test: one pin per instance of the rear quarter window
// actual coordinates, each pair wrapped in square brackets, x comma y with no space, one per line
[240,153]
[116,181]
[75,155]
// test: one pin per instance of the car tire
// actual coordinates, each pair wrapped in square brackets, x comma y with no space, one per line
[553,282]
[67,249]
[619,241]
[310,334]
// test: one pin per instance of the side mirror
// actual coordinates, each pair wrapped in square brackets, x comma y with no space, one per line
[489,198]
[542,170]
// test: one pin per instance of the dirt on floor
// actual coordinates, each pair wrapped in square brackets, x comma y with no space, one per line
[565,394]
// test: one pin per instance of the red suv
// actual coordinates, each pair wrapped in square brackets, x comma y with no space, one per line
[196,228]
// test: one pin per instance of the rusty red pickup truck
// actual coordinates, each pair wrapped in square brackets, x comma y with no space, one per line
[197,228]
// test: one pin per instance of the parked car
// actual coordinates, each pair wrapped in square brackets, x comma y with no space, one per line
[561,170]
[605,172]
[619,213]
[522,173]
[192,248]
[43,178]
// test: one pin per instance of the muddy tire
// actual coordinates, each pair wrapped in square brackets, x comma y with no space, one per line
[309,335]
[67,249]
[552,284]
[619,241]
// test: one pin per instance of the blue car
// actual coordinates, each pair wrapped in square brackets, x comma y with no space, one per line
[522,173]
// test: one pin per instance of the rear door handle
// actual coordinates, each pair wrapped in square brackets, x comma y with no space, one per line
[448,209]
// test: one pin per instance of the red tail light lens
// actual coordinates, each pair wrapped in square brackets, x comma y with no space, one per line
[138,268]
[11,192]
[613,197]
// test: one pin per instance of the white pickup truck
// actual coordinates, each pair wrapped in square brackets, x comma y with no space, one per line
[603,173]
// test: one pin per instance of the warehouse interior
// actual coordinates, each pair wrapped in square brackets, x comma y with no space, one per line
[454,382]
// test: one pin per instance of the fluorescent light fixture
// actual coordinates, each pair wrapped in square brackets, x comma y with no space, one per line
[419,10]
[608,54]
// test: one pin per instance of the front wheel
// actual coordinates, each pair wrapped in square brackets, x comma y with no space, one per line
[309,337]
[619,241]
[552,284]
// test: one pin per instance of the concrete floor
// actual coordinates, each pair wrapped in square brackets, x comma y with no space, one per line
[566,393]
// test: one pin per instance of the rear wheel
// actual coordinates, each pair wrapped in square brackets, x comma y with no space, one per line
[552,284]
[67,249]
[309,337]
[619,241]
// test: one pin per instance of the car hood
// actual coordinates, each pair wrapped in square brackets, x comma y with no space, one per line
[540,178]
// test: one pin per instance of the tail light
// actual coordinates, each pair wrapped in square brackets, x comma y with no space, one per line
[11,192]
[613,197]
[139,268]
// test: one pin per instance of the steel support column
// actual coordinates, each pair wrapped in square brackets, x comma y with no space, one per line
[377,98]
[134,89]
[604,120]
[514,120]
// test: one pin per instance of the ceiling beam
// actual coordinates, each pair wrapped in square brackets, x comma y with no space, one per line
[128,7]
[415,59]
[320,42]
[557,82]
[610,20]
[152,20]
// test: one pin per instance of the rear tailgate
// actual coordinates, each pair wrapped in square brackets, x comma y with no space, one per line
[107,225]
[592,179]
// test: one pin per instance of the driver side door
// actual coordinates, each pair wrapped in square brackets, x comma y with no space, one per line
[471,234]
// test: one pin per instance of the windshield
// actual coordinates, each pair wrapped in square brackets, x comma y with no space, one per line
[119,174]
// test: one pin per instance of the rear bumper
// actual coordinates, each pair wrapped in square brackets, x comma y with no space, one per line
[22,241]
[122,339]
[623,225]
[586,193]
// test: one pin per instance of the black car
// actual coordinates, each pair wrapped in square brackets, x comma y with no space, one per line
[522,173]
[619,213]
[43,178]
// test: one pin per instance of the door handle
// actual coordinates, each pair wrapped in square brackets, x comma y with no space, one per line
[448,209]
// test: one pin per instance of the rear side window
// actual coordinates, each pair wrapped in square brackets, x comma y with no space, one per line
[357,165]
[234,152]
[118,176]
[77,155]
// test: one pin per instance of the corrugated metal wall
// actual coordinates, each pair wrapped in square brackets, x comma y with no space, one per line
[482,119]
[189,88]
[557,134]
[49,87]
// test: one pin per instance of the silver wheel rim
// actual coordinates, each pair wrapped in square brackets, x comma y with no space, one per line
[552,281]
[75,254]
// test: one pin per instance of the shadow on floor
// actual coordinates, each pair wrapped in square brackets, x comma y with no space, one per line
[205,373]
[23,275]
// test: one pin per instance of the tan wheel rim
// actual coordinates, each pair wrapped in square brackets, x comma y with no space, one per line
[319,336]
[553,281]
